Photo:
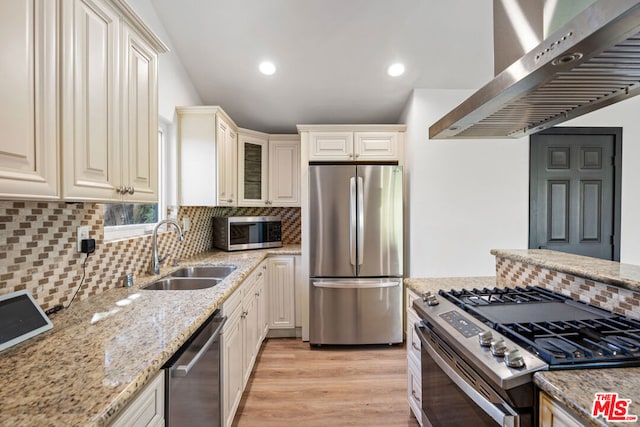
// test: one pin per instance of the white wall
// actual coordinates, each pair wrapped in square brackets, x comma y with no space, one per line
[174,86]
[465,197]
[625,115]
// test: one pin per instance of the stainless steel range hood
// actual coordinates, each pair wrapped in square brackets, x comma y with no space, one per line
[591,62]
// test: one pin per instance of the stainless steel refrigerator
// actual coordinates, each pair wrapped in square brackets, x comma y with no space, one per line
[355,258]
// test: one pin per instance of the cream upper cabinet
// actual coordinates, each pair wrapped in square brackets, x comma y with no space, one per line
[90,81]
[208,155]
[109,104]
[252,168]
[268,169]
[350,143]
[29,145]
[226,161]
[284,170]
[140,115]
[333,146]
[372,146]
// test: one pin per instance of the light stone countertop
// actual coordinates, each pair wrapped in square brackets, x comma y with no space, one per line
[575,389]
[103,350]
[610,272]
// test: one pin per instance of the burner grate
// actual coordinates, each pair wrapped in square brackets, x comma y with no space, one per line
[598,342]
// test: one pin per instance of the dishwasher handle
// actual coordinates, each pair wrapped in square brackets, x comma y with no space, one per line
[183,370]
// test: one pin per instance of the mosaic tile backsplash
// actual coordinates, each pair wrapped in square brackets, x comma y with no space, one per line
[38,253]
[516,273]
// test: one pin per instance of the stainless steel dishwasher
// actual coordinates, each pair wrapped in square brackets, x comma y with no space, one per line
[193,378]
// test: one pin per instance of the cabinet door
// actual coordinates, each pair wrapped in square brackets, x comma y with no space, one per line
[90,80]
[197,141]
[281,292]
[227,160]
[284,173]
[263,319]
[140,116]
[330,146]
[147,409]
[554,415]
[232,342]
[251,330]
[252,170]
[376,146]
[29,144]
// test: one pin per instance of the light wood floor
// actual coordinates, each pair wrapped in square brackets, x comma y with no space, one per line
[295,385]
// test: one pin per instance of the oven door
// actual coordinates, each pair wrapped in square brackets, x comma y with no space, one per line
[453,394]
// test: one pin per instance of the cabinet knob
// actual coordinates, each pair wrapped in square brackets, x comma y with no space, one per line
[357,155]
[229,200]
[122,189]
[131,190]
[257,294]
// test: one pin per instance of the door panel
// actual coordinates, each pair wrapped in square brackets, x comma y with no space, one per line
[574,191]
[355,311]
[380,252]
[329,221]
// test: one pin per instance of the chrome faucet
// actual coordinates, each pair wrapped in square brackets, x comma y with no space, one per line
[156,261]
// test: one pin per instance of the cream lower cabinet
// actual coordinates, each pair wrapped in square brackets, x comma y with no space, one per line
[281,292]
[414,365]
[109,104]
[29,144]
[242,336]
[147,408]
[552,414]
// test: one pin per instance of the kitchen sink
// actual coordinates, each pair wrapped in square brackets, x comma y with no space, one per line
[182,283]
[216,271]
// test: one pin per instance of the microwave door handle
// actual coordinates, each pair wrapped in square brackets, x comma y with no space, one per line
[360,249]
[496,412]
[352,221]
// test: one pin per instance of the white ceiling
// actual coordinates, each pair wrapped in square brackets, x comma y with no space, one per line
[331,55]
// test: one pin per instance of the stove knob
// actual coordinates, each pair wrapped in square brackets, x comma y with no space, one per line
[498,348]
[432,300]
[485,338]
[426,296]
[513,358]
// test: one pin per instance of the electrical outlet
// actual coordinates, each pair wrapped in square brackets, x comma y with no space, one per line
[186,224]
[81,233]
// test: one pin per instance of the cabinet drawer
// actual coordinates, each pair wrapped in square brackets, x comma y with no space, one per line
[147,409]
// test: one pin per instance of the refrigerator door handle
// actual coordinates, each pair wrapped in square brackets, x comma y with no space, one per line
[355,285]
[353,208]
[360,220]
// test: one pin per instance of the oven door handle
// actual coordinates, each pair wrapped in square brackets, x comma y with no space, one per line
[495,412]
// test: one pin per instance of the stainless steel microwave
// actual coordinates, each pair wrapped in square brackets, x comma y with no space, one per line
[237,233]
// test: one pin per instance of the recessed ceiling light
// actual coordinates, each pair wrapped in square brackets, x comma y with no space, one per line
[267,68]
[395,70]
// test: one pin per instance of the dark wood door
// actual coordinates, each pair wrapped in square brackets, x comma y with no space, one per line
[574,199]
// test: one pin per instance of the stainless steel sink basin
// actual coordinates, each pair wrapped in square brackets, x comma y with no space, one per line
[217,271]
[182,283]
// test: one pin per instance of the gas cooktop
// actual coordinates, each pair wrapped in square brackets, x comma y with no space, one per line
[563,332]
